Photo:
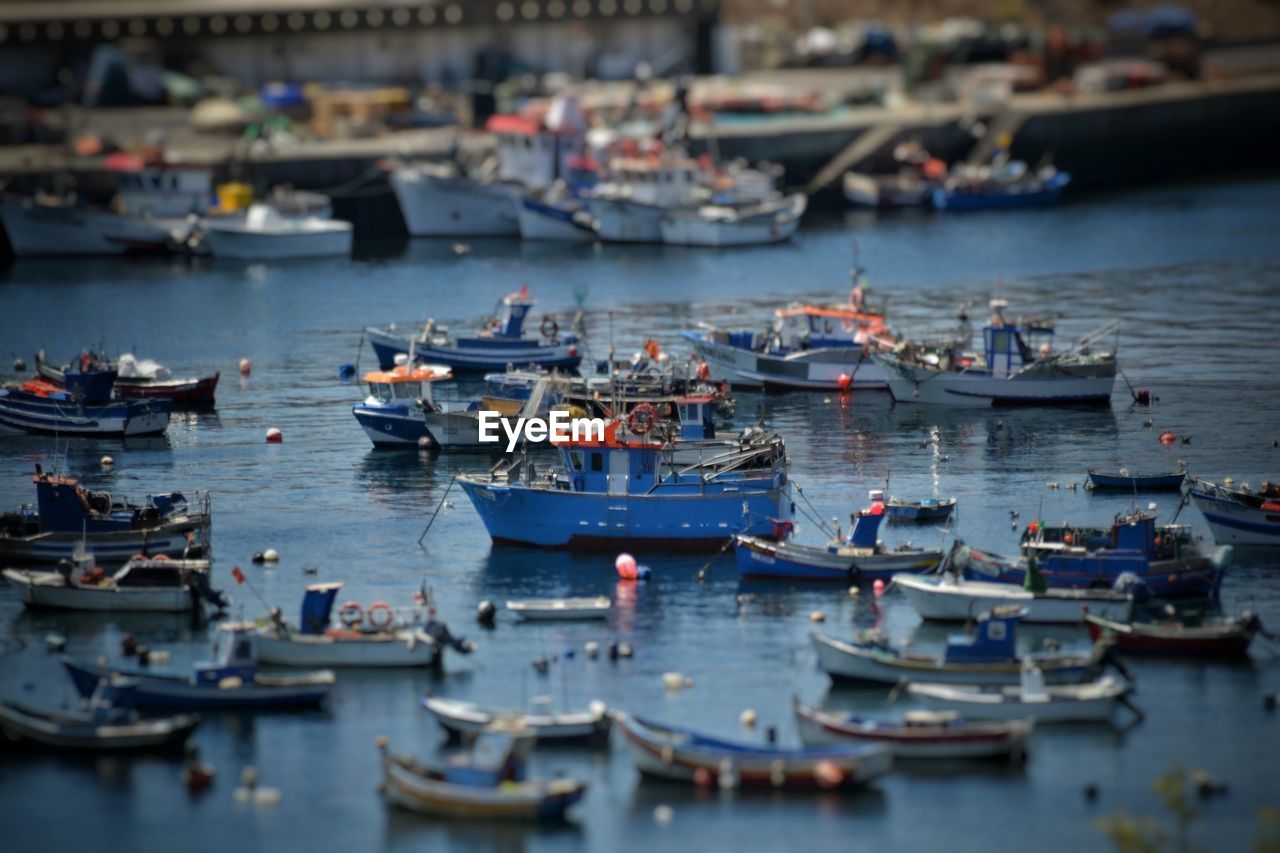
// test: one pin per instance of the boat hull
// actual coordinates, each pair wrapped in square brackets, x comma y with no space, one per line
[846,662]
[1045,195]
[392,426]
[50,548]
[25,726]
[526,801]
[1192,642]
[461,719]
[588,521]
[813,370]
[687,228]
[408,648]
[760,558]
[625,221]
[1076,703]
[906,742]
[541,221]
[455,207]
[238,243]
[912,384]
[1161,483]
[497,355]
[47,590]
[29,414]
[1234,523]
[960,600]
[159,692]
[36,231]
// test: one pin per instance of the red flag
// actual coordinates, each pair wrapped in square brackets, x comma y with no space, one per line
[237,574]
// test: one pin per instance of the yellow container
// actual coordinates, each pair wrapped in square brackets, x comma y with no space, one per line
[234,196]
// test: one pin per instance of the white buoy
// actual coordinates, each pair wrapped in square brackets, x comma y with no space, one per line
[672,680]
[271,555]
[817,616]
[593,649]
[425,443]
[159,656]
[663,814]
[107,461]
[274,436]
[246,367]
[747,718]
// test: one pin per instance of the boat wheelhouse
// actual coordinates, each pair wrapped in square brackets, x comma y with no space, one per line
[627,488]
[392,414]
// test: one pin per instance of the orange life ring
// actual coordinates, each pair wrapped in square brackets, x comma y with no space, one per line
[351,614]
[642,418]
[382,622]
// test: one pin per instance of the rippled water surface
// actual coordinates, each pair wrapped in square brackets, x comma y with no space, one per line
[1192,273]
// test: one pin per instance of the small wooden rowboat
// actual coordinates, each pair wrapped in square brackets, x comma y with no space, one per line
[1230,638]
[486,784]
[920,734]
[1127,481]
[461,719]
[107,726]
[561,608]
[666,752]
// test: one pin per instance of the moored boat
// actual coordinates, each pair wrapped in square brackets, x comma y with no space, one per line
[558,609]
[1131,481]
[1031,698]
[684,755]
[925,509]
[67,517]
[918,735]
[950,598]
[719,226]
[1239,516]
[392,415]
[1000,185]
[1228,638]
[140,379]
[83,408]
[231,682]
[143,584]
[469,719]
[266,234]
[988,657]
[108,725]
[488,783]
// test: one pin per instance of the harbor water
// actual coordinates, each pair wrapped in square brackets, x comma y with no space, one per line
[1192,272]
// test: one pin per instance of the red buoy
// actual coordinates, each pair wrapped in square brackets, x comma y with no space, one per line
[1167,437]
[274,436]
[844,381]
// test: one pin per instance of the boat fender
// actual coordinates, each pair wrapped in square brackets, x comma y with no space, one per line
[728,778]
[625,651]
[702,777]
[246,367]
[827,774]
[351,614]
[747,718]
[549,328]
[844,381]
[663,814]
[106,462]
[593,649]
[626,566]
[486,613]
[385,615]
[817,616]
[668,753]
[777,773]
[878,588]
[672,680]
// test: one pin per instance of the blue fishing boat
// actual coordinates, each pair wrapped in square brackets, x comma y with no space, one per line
[392,414]
[1002,190]
[1239,515]
[67,516]
[83,407]
[926,509]
[231,682]
[633,489]
[684,755]
[989,656]
[502,343]
[1132,481]
[1168,559]
[860,557]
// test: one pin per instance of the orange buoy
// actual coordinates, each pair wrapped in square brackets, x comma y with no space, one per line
[274,436]
[828,774]
[878,587]
[627,567]
[1167,437]
[844,381]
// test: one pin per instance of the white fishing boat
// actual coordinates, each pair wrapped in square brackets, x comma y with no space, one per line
[555,214]
[1094,701]
[628,205]
[543,609]
[1239,516]
[364,638]
[266,234]
[947,597]
[446,200]
[143,584]
[1018,366]
[718,226]
[467,718]
[919,734]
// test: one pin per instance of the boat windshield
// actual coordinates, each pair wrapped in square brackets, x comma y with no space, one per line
[381,391]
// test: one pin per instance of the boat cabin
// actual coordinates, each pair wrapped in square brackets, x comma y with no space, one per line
[1133,536]
[800,327]
[1009,348]
[536,154]
[64,507]
[317,605]
[496,757]
[235,655]
[994,641]
[866,523]
[660,181]
[697,416]
[403,384]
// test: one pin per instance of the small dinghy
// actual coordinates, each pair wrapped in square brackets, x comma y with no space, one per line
[230,683]
[683,755]
[950,598]
[364,638]
[988,657]
[109,724]
[466,719]
[1094,701]
[1229,638]
[927,509]
[920,734]
[860,557]
[535,609]
[155,585]
[487,783]
[1131,481]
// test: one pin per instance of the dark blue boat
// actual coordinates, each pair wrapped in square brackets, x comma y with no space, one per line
[1000,195]
[927,509]
[1134,482]
[229,683]
[498,346]
[66,515]
[84,407]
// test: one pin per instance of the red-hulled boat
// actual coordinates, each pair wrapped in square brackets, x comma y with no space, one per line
[1230,638]
[191,392]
